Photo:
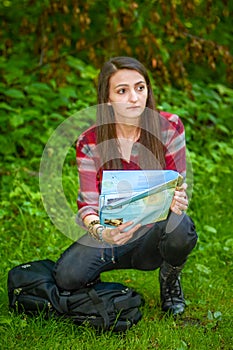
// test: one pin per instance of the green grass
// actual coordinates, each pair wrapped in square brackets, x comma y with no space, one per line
[27,234]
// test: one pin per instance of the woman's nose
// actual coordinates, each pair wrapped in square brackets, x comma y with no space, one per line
[133,96]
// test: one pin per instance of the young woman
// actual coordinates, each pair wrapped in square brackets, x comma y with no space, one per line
[129,135]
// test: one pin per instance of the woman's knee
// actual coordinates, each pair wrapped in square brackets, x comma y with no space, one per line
[181,226]
[177,243]
[70,271]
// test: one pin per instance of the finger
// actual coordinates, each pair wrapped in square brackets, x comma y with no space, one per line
[123,237]
[125,225]
[121,228]
[184,186]
[133,229]
[180,194]
[119,239]
[180,201]
[176,210]
[181,206]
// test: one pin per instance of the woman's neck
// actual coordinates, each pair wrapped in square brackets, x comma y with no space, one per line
[128,132]
[127,135]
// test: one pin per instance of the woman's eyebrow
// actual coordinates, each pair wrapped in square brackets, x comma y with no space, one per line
[125,84]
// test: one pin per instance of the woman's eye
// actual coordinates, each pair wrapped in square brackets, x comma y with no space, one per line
[141,87]
[121,91]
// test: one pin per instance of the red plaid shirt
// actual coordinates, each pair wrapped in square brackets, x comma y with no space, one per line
[90,174]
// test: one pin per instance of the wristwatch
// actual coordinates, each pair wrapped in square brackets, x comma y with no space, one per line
[99,232]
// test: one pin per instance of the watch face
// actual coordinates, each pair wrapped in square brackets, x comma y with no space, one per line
[99,233]
[100,230]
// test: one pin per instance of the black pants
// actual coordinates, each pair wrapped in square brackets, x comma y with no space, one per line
[171,240]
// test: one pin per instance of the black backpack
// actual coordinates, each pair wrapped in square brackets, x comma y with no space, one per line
[105,305]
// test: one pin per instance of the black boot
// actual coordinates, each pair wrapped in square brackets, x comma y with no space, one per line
[171,293]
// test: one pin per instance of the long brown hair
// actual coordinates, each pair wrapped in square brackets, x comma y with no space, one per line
[150,137]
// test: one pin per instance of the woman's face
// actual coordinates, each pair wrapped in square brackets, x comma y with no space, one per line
[127,94]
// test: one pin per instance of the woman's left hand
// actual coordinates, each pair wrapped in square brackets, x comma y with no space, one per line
[180,200]
[118,235]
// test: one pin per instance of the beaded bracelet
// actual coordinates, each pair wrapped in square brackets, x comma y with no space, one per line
[92,224]
[90,228]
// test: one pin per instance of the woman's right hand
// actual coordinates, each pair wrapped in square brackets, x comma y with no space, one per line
[117,235]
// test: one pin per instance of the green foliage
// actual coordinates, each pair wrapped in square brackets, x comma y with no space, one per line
[31,110]
[170,37]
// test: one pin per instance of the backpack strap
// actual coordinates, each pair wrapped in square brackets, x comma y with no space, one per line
[62,305]
[100,307]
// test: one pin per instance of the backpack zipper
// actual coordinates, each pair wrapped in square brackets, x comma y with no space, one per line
[22,289]
[17,291]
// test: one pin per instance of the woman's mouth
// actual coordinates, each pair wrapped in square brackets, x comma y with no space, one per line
[133,107]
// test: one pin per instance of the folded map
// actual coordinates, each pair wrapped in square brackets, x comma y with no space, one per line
[141,196]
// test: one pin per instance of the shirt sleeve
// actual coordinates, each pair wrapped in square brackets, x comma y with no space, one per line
[175,145]
[88,195]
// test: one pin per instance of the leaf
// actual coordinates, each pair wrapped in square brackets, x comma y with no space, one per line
[229,243]
[218,315]
[214,179]
[16,120]
[57,116]
[229,151]
[14,93]
[188,24]
[31,113]
[38,88]
[210,229]
[75,63]
[68,91]
[41,86]
[182,346]
[5,106]
[202,268]
[223,90]
[223,128]
[38,100]
[89,73]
